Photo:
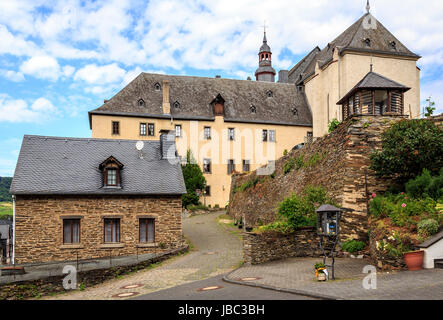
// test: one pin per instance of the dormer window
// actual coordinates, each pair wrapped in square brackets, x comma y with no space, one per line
[157,86]
[253,109]
[111,169]
[367,42]
[393,45]
[176,105]
[141,103]
[294,112]
[269,94]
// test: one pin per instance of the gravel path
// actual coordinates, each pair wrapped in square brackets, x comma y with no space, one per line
[217,250]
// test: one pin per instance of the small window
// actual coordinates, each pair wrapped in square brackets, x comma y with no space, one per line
[115,127]
[393,45]
[269,94]
[265,135]
[206,165]
[157,86]
[208,191]
[231,166]
[367,42]
[253,109]
[176,105]
[147,230]
[231,134]
[207,133]
[112,230]
[294,112]
[143,129]
[272,135]
[71,230]
[178,130]
[246,166]
[111,177]
[141,103]
[151,131]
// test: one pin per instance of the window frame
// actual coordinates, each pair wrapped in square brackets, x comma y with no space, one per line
[271,136]
[231,166]
[144,132]
[210,166]
[207,194]
[246,163]
[180,130]
[112,233]
[231,137]
[117,177]
[71,227]
[146,226]
[209,135]
[148,132]
[264,135]
[115,125]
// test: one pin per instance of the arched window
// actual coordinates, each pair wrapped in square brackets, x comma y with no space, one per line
[253,109]
[294,112]
[176,105]
[262,56]
[141,103]
[267,57]
[367,42]
[157,86]
[269,94]
[393,45]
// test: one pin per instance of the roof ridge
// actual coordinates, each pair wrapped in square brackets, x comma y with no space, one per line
[28,136]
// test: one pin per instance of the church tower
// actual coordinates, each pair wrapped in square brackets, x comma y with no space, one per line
[265,71]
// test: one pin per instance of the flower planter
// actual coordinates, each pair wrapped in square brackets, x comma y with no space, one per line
[414,260]
[321,277]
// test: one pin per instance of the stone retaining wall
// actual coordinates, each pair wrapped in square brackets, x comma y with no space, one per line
[268,246]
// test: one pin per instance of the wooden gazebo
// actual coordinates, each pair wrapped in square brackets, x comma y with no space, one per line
[374,95]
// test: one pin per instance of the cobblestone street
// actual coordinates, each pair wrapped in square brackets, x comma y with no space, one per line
[217,250]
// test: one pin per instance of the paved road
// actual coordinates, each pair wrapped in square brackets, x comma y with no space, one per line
[218,250]
[192,291]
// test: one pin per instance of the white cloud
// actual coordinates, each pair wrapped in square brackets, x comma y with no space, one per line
[18,110]
[68,71]
[12,75]
[43,67]
[93,74]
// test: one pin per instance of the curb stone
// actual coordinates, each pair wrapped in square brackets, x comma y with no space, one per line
[264,286]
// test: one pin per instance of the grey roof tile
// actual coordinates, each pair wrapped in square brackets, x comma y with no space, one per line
[195,95]
[54,165]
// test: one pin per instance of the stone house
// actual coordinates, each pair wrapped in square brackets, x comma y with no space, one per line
[94,198]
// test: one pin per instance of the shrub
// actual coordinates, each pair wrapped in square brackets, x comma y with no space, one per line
[408,147]
[299,162]
[426,186]
[285,152]
[289,165]
[194,180]
[353,246]
[333,125]
[427,228]
[277,226]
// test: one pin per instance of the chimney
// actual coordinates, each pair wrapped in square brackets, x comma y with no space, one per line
[166,106]
[167,144]
[283,76]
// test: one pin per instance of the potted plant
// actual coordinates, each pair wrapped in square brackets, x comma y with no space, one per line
[414,260]
[319,271]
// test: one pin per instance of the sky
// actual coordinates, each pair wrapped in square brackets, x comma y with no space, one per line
[61,59]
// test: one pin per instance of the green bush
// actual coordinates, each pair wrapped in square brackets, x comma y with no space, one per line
[408,147]
[194,180]
[277,226]
[299,162]
[427,228]
[299,211]
[333,125]
[353,246]
[288,166]
[426,186]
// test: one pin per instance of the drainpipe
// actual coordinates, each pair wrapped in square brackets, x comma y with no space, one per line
[13,229]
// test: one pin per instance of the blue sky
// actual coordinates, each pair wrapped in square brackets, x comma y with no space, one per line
[60,59]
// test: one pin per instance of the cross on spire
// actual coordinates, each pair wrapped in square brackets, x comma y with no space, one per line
[368,7]
[264,30]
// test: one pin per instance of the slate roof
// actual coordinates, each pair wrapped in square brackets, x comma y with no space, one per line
[352,39]
[435,238]
[54,165]
[327,208]
[265,47]
[300,67]
[374,81]
[195,95]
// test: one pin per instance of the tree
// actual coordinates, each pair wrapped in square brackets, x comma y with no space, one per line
[5,184]
[408,147]
[194,180]
[429,110]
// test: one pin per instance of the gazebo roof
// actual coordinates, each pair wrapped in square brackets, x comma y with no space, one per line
[374,81]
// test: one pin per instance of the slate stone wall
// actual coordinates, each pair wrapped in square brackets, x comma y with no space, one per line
[39,226]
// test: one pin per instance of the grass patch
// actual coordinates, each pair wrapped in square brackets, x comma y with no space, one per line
[5,209]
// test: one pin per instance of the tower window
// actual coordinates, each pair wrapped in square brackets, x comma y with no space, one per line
[176,104]
[294,112]
[253,109]
[141,103]
[157,86]
[269,94]
[367,42]
[393,45]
